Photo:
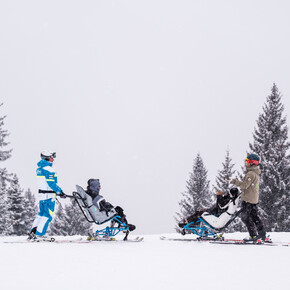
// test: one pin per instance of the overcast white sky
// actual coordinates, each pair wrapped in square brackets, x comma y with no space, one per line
[130,91]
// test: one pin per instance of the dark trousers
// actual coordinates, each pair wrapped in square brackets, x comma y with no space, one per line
[251,219]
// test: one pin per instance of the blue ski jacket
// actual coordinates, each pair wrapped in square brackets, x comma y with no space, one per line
[47,180]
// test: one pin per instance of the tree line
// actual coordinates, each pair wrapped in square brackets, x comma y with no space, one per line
[270,142]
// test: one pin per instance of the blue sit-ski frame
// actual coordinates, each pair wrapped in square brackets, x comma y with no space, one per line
[113,231]
[200,228]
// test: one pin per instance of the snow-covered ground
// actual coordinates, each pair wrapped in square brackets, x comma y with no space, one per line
[151,264]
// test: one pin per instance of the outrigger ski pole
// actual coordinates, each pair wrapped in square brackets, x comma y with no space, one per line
[126,237]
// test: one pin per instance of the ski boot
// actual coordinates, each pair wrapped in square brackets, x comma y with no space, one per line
[263,237]
[253,240]
[32,234]
[31,237]
[268,239]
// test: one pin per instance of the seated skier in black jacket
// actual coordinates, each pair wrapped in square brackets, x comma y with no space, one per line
[93,190]
[222,203]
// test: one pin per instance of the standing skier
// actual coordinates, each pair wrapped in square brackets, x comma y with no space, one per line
[47,191]
[250,198]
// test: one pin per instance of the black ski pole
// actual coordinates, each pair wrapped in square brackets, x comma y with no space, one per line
[73,196]
[70,196]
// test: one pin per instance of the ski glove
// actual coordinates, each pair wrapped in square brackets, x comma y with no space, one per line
[105,206]
[62,195]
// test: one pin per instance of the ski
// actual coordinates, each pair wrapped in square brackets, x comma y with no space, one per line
[79,241]
[70,241]
[163,238]
[98,239]
[43,240]
[225,241]
[242,242]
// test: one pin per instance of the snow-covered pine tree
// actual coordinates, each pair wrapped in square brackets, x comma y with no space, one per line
[197,194]
[225,174]
[4,154]
[30,207]
[4,218]
[15,204]
[271,143]
[4,178]
[70,221]
[77,223]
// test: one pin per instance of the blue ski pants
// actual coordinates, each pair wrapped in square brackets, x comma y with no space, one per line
[44,217]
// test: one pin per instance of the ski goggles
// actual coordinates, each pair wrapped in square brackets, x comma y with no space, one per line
[249,161]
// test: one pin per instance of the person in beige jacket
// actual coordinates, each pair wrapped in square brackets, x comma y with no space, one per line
[250,198]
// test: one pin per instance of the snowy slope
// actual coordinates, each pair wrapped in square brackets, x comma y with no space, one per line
[152,264]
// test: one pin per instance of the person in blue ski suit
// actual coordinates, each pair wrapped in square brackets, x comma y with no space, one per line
[48,189]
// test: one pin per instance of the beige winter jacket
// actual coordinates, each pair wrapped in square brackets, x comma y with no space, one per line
[250,185]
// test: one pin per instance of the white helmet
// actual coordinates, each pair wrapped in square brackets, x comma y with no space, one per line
[47,154]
